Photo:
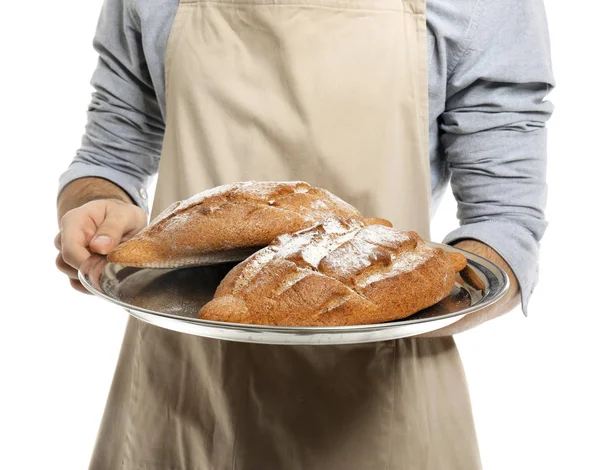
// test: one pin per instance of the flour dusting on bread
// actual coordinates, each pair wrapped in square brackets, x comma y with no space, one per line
[211,225]
[337,272]
[343,249]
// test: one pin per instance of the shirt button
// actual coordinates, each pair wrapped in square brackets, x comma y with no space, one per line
[143,194]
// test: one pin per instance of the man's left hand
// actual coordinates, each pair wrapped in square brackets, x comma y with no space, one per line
[509,301]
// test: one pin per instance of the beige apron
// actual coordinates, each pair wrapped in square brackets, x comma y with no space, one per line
[332,92]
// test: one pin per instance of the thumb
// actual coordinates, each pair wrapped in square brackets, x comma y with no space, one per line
[102,244]
[109,233]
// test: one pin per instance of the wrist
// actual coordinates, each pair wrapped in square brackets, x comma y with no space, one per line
[84,190]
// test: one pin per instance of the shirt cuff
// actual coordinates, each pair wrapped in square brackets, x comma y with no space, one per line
[513,242]
[131,185]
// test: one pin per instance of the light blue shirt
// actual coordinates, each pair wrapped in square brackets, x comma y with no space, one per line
[489,74]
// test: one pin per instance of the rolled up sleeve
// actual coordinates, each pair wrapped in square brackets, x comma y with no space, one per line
[493,132]
[125,127]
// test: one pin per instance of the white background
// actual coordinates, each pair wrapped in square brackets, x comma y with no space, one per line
[533,381]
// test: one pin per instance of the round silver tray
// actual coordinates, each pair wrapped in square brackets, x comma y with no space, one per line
[171,298]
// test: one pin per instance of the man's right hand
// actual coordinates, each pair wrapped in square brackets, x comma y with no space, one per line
[95,227]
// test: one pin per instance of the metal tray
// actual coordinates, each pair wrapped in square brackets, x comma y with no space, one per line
[171,298]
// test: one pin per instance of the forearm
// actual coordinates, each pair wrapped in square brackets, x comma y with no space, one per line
[84,190]
[509,301]
[120,149]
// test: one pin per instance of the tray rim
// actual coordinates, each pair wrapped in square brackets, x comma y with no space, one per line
[492,295]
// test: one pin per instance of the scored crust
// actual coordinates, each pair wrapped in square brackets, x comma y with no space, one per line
[339,272]
[228,223]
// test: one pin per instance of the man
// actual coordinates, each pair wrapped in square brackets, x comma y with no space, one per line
[333,92]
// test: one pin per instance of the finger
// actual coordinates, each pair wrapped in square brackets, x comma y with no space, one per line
[76,231]
[57,244]
[66,268]
[472,278]
[116,224]
[78,287]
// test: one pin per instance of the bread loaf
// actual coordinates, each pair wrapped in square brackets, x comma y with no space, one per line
[339,272]
[228,223]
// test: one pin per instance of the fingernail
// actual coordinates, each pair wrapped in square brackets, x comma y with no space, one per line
[102,239]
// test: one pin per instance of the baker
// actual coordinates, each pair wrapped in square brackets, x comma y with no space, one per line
[380,101]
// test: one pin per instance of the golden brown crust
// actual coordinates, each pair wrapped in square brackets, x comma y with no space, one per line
[340,272]
[378,221]
[228,223]
[458,260]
